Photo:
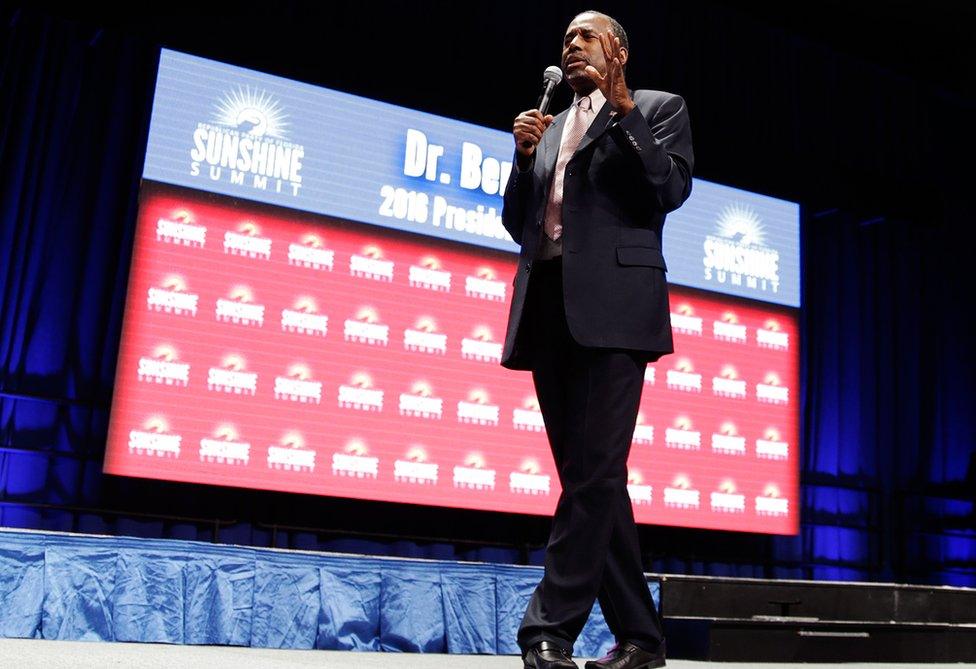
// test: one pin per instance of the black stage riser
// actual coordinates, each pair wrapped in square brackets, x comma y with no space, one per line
[785,642]
[753,620]
[745,598]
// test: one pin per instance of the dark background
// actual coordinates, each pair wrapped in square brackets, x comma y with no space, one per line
[861,113]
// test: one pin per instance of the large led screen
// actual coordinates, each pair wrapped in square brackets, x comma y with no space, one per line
[318,296]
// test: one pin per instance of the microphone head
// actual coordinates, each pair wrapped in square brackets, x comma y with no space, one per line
[553,74]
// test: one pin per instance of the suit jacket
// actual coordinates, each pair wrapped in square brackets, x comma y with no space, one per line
[624,177]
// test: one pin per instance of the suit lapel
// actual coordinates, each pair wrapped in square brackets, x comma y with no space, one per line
[597,128]
[553,135]
[550,144]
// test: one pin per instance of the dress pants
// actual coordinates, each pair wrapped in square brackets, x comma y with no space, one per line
[589,399]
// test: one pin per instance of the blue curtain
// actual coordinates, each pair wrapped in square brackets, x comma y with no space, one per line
[889,385]
[887,378]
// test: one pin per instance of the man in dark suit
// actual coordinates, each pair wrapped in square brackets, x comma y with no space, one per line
[587,201]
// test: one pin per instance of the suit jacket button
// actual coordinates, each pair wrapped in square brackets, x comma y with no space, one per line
[528,267]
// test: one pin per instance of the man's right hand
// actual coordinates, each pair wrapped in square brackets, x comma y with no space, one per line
[528,129]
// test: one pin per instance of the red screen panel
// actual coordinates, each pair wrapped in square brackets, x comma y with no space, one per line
[267,348]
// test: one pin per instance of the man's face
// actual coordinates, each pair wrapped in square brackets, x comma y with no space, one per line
[581,47]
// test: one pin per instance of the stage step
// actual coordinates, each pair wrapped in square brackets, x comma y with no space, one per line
[755,620]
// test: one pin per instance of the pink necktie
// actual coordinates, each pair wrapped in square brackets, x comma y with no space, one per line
[576,126]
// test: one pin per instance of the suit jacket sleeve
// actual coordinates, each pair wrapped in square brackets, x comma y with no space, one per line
[517,191]
[659,138]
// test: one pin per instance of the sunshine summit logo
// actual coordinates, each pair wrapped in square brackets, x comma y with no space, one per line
[245,143]
[737,253]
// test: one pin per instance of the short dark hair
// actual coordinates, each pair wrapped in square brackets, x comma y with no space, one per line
[615,27]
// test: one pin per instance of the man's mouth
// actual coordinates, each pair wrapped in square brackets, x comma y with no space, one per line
[572,62]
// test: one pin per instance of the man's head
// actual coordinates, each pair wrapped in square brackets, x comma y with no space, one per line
[582,47]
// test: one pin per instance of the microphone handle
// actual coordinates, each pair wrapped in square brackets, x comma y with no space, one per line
[543,104]
[546,97]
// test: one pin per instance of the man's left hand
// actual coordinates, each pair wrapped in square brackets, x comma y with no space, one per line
[612,84]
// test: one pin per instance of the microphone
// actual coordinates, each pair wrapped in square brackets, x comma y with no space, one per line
[550,79]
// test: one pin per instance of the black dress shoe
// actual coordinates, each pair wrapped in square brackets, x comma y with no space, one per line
[547,655]
[628,656]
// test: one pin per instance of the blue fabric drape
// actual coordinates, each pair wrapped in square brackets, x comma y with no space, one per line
[218,596]
[412,617]
[21,589]
[350,607]
[75,587]
[470,593]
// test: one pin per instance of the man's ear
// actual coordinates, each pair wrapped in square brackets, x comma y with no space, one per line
[622,55]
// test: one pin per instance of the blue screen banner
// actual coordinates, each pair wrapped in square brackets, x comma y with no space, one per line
[245,134]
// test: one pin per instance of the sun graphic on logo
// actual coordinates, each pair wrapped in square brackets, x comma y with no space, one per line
[426,324]
[772,325]
[253,113]
[683,423]
[372,251]
[685,309]
[234,362]
[174,283]
[417,454]
[727,486]
[482,333]
[422,388]
[226,432]
[741,224]
[165,352]
[640,418]
[299,372]
[361,380]
[682,482]
[182,215]
[728,429]
[293,439]
[242,293]
[772,490]
[730,317]
[306,304]
[634,477]
[430,262]
[684,365]
[531,403]
[156,424]
[475,461]
[367,315]
[771,434]
[311,240]
[479,396]
[729,372]
[356,447]
[771,379]
[530,466]
[249,228]
[486,273]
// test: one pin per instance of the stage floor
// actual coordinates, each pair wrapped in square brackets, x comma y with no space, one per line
[41,654]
